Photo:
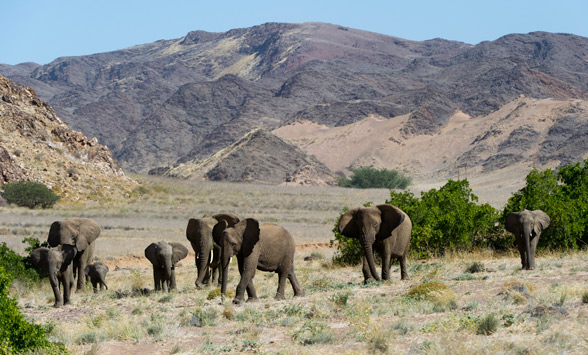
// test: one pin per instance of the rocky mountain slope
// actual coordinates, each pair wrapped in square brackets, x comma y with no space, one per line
[35,145]
[187,98]
[259,156]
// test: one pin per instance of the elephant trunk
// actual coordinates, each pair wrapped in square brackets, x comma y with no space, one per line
[527,230]
[55,286]
[202,261]
[369,255]
[226,254]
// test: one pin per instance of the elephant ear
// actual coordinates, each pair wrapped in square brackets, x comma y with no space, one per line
[249,229]
[217,231]
[230,218]
[348,224]
[191,228]
[87,270]
[512,221]
[392,217]
[151,254]
[88,231]
[59,234]
[39,258]
[179,252]
[541,221]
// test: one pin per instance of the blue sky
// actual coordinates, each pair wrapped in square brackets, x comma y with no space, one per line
[42,30]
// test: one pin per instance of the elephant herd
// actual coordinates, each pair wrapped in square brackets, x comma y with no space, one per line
[384,229]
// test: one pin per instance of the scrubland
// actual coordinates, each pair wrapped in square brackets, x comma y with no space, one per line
[462,303]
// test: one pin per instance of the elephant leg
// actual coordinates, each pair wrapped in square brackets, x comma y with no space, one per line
[251,292]
[172,280]
[403,269]
[367,274]
[298,291]
[56,291]
[156,279]
[534,243]
[386,265]
[67,286]
[95,285]
[282,277]
[522,251]
[246,282]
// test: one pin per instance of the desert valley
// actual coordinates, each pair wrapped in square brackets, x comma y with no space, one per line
[261,122]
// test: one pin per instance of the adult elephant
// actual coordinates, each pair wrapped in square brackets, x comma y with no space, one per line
[526,227]
[384,229]
[81,234]
[164,256]
[267,248]
[58,264]
[206,245]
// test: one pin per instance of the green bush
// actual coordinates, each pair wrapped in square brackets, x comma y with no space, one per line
[367,178]
[17,335]
[444,219]
[17,267]
[563,195]
[29,194]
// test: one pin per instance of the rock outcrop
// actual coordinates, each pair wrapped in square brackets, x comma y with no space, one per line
[35,145]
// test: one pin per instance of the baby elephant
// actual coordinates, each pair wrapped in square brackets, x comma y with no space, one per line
[97,274]
[164,256]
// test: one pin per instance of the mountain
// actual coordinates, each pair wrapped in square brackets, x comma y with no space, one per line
[259,156]
[187,98]
[36,145]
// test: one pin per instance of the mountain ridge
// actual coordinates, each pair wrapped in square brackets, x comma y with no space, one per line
[172,101]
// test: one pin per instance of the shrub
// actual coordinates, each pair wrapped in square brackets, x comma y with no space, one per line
[17,267]
[29,194]
[563,195]
[488,325]
[449,219]
[367,177]
[16,333]
[476,266]
[313,333]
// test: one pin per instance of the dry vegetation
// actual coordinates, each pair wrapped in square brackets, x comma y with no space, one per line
[460,304]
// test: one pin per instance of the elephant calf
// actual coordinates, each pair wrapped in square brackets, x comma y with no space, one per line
[267,247]
[97,274]
[58,264]
[164,256]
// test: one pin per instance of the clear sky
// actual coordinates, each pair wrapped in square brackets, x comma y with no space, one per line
[42,30]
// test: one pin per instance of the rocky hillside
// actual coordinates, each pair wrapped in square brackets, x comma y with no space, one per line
[187,98]
[35,145]
[259,156]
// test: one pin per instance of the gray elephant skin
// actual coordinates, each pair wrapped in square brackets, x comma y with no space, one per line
[206,245]
[97,274]
[267,248]
[526,226]
[58,264]
[385,229]
[80,233]
[164,256]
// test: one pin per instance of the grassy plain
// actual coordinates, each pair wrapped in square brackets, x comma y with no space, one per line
[459,304]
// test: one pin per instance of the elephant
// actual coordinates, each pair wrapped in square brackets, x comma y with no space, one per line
[81,234]
[267,248]
[97,274]
[58,264]
[164,256]
[385,229]
[526,226]
[206,246]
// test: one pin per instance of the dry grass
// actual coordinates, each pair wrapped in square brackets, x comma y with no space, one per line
[538,311]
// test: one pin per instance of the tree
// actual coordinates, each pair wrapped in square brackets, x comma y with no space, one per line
[29,194]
